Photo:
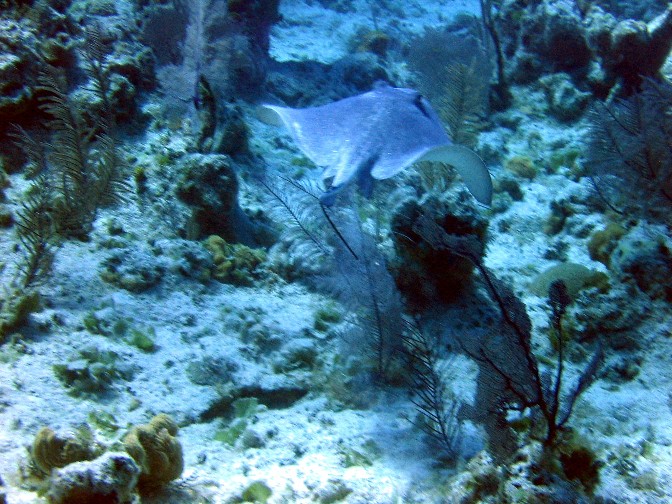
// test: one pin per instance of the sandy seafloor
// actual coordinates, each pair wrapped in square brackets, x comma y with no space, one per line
[305,443]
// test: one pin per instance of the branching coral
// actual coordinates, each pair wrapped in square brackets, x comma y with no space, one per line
[455,73]
[76,171]
[463,101]
[366,285]
[37,233]
[355,272]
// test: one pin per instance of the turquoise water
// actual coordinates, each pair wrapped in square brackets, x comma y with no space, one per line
[335,251]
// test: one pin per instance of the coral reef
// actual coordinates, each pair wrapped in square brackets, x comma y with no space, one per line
[601,53]
[78,170]
[408,347]
[55,35]
[19,68]
[511,378]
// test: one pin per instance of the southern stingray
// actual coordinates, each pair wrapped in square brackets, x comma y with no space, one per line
[375,135]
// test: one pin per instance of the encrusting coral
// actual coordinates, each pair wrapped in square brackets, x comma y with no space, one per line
[236,264]
[602,243]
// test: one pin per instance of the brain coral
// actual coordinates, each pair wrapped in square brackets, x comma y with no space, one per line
[51,450]
[157,451]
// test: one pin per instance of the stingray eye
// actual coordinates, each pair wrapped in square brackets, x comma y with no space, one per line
[420,105]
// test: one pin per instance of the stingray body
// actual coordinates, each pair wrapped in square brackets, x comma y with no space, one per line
[375,135]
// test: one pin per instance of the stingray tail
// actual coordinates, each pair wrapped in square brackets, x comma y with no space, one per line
[338,233]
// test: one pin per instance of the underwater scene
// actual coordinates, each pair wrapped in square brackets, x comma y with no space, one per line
[335,251]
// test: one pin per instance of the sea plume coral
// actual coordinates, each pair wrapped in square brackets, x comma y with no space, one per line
[509,366]
[630,153]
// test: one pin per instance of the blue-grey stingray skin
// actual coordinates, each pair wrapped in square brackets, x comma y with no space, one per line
[376,135]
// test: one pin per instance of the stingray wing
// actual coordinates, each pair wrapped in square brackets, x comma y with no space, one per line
[409,129]
[469,165]
[332,136]
[308,129]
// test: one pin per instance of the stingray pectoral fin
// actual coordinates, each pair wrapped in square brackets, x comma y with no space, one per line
[469,165]
[270,114]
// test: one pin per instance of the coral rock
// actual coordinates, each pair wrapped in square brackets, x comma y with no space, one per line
[422,273]
[109,479]
[565,101]
[209,186]
[644,255]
